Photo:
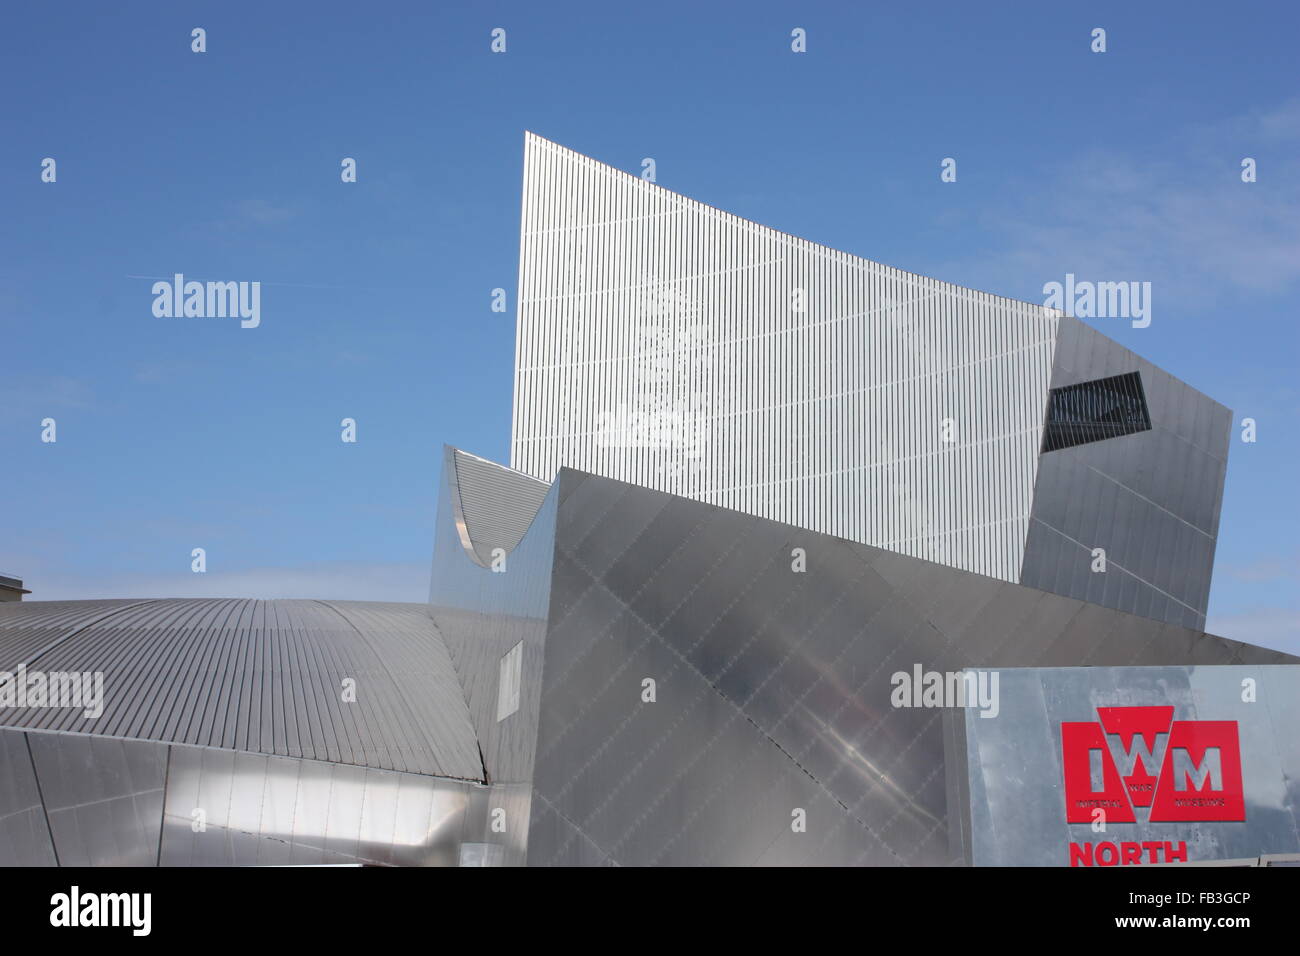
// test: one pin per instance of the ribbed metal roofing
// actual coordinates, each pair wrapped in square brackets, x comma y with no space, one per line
[259,676]
[497,503]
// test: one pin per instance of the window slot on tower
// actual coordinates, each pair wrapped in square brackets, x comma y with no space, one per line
[1094,411]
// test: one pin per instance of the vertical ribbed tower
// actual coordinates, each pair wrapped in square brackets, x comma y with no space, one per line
[666,343]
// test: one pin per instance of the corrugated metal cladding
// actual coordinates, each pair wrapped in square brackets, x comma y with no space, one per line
[665,343]
[496,505]
[259,676]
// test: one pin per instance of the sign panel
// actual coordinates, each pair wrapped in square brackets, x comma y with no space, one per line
[1125,766]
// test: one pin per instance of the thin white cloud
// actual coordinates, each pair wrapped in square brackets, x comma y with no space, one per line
[1183,220]
[340,581]
[264,213]
[1266,570]
[28,399]
[1276,628]
[164,372]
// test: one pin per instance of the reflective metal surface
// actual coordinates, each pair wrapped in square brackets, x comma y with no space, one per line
[260,810]
[773,687]
[1150,499]
[239,715]
[1017,804]
[493,506]
[104,806]
[25,838]
[481,614]
[696,686]
[103,798]
[670,344]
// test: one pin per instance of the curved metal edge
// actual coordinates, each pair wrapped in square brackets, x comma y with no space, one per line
[452,474]
[458,512]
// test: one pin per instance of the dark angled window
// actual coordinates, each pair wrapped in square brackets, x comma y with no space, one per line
[1095,411]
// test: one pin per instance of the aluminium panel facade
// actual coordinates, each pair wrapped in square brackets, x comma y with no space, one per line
[228,736]
[491,611]
[774,687]
[1150,499]
[669,344]
[71,799]
[665,343]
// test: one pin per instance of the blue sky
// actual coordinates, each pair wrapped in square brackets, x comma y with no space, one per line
[375,299]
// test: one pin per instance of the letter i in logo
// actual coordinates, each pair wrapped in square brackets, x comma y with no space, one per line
[1091,779]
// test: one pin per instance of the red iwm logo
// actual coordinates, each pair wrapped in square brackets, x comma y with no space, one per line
[1183,770]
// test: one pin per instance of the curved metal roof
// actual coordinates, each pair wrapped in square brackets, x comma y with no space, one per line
[495,505]
[258,676]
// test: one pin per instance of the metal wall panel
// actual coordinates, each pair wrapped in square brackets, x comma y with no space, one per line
[25,838]
[103,798]
[239,809]
[773,685]
[1150,499]
[1014,762]
[659,342]
[481,614]
[663,342]
[232,678]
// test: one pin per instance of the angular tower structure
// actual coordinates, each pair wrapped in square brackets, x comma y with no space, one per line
[675,346]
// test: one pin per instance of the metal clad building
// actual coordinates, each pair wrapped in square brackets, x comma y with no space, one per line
[736,521]
[669,344]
